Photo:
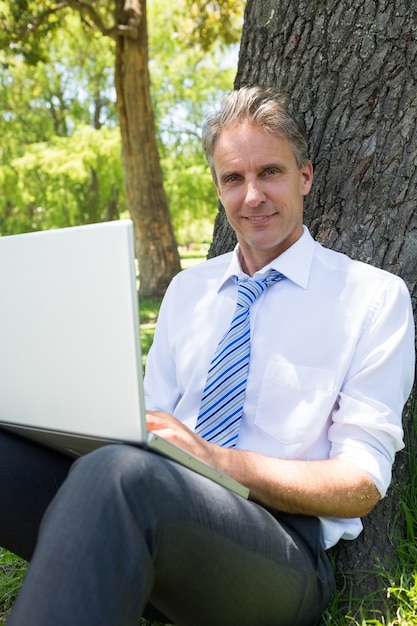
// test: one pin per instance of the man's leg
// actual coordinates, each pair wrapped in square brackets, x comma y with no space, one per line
[128,527]
[30,476]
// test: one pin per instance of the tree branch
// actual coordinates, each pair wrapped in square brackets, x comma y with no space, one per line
[40,19]
[91,18]
[125,30]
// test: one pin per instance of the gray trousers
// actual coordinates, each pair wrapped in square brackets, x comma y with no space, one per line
[128,528]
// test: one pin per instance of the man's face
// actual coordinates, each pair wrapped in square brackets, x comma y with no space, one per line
[262,189]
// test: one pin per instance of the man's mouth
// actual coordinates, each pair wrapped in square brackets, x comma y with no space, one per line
[258,218]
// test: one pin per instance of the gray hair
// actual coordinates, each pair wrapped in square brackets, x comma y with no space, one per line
[263,108]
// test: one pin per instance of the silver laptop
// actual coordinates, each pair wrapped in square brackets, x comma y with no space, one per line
[70,358]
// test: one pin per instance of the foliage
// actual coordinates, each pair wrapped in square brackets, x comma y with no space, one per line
[63,182]
[209,21]
[191,195]
[74,84]
[28,24]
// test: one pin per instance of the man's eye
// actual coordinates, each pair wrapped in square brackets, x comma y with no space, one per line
[232,178]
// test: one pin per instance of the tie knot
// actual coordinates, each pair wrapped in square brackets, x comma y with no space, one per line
[249,289]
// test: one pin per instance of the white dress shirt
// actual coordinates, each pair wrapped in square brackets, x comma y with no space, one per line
[332,359]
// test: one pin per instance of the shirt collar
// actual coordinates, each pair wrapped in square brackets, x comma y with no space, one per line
[295,263]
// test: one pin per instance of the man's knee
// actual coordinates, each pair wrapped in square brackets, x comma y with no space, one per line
[112,464]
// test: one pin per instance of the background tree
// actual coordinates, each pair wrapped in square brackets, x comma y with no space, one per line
[63,182]
[349,72]
[29,26]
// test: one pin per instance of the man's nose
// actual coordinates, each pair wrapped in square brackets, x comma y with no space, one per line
[254,194]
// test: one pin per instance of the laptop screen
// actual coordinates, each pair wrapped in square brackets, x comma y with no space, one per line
[69,331]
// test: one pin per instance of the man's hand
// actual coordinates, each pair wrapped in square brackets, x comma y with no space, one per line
[169,428]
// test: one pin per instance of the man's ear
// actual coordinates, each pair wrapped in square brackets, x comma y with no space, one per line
[307,178]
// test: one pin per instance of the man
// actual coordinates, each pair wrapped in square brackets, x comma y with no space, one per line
[310,423]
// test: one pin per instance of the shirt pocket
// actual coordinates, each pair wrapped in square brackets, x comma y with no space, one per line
[295,401]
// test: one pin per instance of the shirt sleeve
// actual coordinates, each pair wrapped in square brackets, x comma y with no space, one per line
[367,427]
[160,381]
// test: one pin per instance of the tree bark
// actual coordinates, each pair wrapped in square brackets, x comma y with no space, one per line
[156,246]
[224,237]
[349,71]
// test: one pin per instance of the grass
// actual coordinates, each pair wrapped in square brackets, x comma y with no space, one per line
[12,571]
[400,586]
[149,308]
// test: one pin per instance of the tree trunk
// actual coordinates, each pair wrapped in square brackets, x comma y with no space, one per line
[349,71]
[224,237]
[156,247]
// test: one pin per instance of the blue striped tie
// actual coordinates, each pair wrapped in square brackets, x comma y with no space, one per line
[224,393]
